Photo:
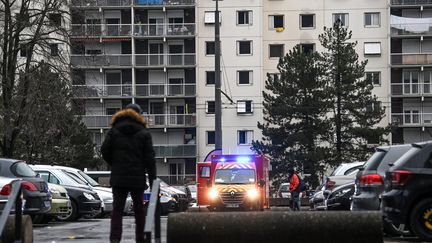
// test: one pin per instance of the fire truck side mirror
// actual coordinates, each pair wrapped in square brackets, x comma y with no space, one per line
[261,183]
[208,183]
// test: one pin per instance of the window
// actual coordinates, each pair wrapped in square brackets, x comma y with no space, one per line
[205,172]
[211,137]
[55,20]
[244,107]
[209,17]
[276,21]
[244,17]
[210,77]
[410,80]
[245,137]
[210,48]
[342,17]
[373,78]
[244,47]
[244,77]
[307,21]
[54,50]
[372,20]
[372,48]
[210,107]
[276,50]
[308,48]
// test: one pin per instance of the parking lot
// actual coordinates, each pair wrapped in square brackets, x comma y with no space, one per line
[97,231]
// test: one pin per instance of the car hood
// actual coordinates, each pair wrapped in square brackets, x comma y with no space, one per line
[102,189]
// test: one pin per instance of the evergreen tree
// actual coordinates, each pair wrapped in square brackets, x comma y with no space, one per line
[295,123]
[356,111]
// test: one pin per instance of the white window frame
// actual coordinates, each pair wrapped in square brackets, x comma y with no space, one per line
[372,48]
[373,74]
[250,77]
[283,51]
[374,16]
[207,107]
[345,21]
[301,22]
[241,107]
[251,48]
[271,21]
[206,73]
[250,17]
[209,17]
[249,137]
[206,48]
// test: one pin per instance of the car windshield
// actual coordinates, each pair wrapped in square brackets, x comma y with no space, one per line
[234,176]
[21,169]
[88,179]
[67,180]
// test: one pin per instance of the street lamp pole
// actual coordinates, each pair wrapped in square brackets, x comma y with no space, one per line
[218,101]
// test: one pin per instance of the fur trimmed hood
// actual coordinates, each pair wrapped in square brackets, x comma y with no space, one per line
[128,113]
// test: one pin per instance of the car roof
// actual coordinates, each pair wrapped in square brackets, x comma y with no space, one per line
[11,161]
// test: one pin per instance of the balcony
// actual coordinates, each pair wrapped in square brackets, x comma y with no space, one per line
[164,30]
[411,89]
[165,3]
[408,29]
[170,90]
[411,59]
[162,60]
[412,119]
[410,2]
[186,150]
[100,91]
[155,120]
[101,60]
[101,30]
[171,120]
[100,3]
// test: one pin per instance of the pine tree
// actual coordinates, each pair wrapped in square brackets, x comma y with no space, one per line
[295,123]
[356,111]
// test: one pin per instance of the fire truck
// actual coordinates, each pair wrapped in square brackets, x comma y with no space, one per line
[233,182]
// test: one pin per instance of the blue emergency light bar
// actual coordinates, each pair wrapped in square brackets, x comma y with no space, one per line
[239,159]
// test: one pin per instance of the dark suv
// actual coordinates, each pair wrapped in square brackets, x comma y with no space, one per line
[408,194]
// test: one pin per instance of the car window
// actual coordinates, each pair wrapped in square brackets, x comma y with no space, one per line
[391,157]
[406,160]
[336,171]
[48,177]
[374,161]
[75,178]
[352,170]
[21,169]
[88,179]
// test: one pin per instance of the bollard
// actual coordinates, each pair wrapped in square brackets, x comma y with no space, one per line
[26,230]
[275,227]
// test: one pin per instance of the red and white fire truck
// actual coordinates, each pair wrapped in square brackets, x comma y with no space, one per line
[231,182]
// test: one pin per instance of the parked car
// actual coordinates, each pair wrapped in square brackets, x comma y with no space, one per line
[407,198]
[84,201]
[35,190]
[60,205]
[283,191]
[340,197]
[347,168]
[185,189]
[105,193]
[370,183]
[193,190]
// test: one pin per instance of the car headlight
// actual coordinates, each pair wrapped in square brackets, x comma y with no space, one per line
[253,193]
[89,196]
[55,193]
[213,194]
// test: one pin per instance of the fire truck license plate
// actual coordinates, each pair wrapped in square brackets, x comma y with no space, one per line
[232,205]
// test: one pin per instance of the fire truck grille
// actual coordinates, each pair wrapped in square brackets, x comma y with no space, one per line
[236,198]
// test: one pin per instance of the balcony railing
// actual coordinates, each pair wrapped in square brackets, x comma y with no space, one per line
[164,30]
[411,89]
[171,120]
[165,89]
[186,150]
[97,30]
[411,29]
[155,120]
[411,59]
[100,3]
[102,60]
[411,2]
[164,2]
[92,91]
[412,119]
[180,59]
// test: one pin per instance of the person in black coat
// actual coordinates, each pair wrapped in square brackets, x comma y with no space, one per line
[128,149]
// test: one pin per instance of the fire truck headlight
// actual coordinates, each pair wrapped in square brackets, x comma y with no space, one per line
[253,193]
[213,194]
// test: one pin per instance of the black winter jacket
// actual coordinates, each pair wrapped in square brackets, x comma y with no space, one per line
[128,149]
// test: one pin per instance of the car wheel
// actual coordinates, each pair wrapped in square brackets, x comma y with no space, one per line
[71,215]
[421,219]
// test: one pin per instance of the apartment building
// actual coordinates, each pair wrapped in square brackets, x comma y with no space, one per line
[140,51]
[241,74]
[411,60]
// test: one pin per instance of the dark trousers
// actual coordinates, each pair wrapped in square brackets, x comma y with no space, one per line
[295,201]
[119,197]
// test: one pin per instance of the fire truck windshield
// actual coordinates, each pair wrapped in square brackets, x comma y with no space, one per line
[235,176]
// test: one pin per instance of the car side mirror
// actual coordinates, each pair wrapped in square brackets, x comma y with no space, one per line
[209,183]
[261,183]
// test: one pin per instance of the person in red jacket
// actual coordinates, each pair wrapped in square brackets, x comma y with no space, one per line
[293,189]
